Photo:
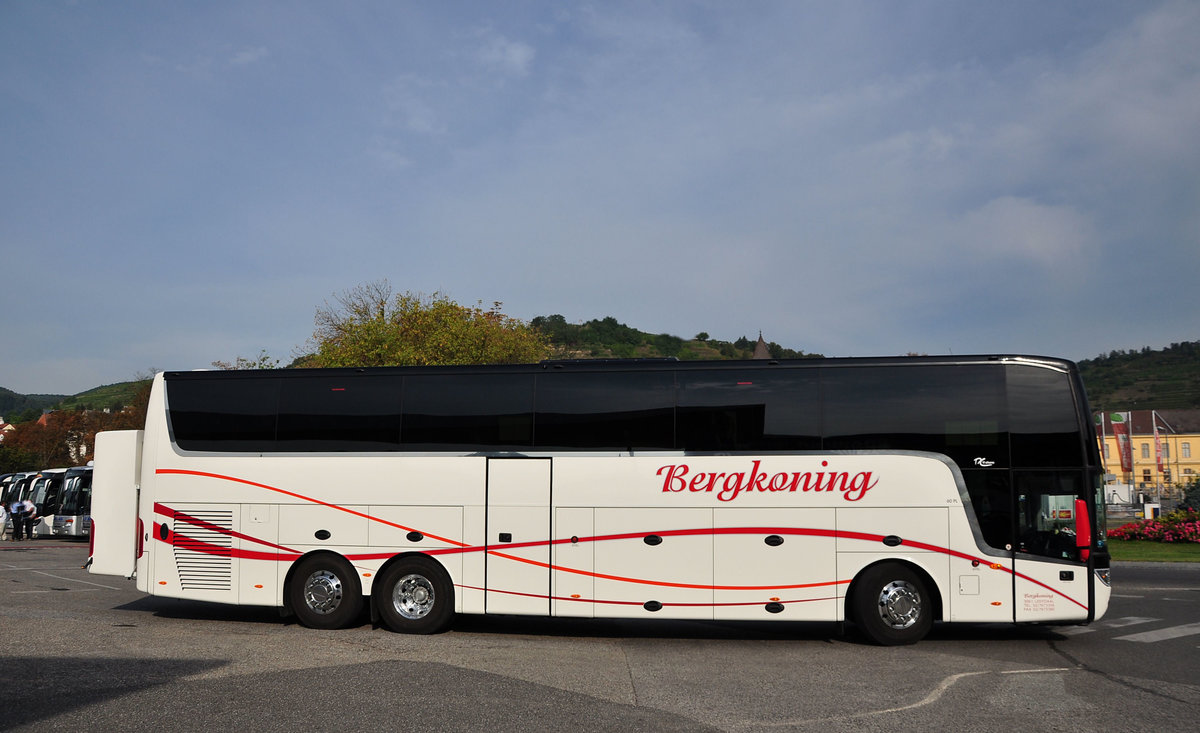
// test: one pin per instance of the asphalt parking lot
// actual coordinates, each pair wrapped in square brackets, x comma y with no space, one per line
[99,655]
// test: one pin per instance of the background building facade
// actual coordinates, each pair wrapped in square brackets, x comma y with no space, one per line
[1163,453]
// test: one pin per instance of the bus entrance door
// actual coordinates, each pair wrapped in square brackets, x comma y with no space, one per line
[1051,579]
[518,536]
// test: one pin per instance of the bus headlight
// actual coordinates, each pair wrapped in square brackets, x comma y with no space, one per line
[1102,574]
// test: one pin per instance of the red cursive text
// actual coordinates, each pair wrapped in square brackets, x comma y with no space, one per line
[678,477]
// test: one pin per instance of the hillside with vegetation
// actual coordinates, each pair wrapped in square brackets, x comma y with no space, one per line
[1167,379]
[607,338]
[17,408]
[111,397]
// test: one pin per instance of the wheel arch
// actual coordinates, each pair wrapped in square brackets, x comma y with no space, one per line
[370,595]
[291,573]
[935,591]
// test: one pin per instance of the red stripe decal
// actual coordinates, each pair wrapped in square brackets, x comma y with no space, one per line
[287,554]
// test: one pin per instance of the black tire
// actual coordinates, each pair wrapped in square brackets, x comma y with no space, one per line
[892,605]
[324,592]
[414,596]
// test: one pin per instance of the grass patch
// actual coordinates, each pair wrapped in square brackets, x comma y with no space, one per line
[1146,551]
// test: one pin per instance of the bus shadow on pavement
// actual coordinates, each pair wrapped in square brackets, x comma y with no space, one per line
[605,628]
[190,610]
[997,632]
[649,628]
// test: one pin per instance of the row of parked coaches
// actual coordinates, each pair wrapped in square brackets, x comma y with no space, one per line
[62,497]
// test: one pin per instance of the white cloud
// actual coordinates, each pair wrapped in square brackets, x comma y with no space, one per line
[1011,227]
[249,56]
[510,58]
[407,106]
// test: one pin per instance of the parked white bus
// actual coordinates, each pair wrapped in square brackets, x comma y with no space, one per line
[74,511]
[46,493]
[887,492]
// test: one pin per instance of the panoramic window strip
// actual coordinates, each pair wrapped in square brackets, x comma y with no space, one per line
[980,415]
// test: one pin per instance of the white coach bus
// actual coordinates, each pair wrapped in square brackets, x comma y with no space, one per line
[73,518]
[891,493]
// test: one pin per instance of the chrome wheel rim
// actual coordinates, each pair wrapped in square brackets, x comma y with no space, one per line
[413,596]
[323,592]
[899,604]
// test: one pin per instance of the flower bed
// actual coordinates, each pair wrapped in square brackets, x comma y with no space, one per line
[1181,525]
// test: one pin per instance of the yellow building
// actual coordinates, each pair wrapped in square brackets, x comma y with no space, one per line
[1178,441]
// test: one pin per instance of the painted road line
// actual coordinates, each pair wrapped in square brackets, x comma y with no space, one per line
[1115,623]
[1172,632]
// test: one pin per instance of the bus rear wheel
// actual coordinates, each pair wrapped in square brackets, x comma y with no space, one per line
[414,596]
[892,605]
[324,592]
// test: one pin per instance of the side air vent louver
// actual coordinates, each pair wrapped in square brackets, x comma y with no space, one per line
[203,544]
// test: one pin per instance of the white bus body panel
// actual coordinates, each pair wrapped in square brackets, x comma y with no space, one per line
[518,522]
[1050,592]
[281,507]
[115,482]
[981,588]
[746,568]
[707,554]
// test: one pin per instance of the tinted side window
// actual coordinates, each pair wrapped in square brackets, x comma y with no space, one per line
[223,414]
[748,410]
[991,498]
[481,411]
[339,413]
[954,410]
[1045,429]
[611,410]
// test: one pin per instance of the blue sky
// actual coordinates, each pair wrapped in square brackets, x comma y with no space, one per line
[187,182]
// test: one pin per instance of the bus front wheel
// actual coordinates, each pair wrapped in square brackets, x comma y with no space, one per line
[892,605]
[414,596]
[324,592]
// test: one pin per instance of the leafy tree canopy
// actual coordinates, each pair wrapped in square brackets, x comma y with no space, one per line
[371,326]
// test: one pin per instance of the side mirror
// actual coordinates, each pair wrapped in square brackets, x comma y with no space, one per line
[1083,530]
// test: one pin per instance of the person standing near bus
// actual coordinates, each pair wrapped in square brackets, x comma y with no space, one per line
[3,518]
[24,514]
[18,523]
[30,516]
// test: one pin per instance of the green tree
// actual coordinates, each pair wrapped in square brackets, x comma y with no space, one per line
[370,326]
[1191,497]
[14,459]
[264,361]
